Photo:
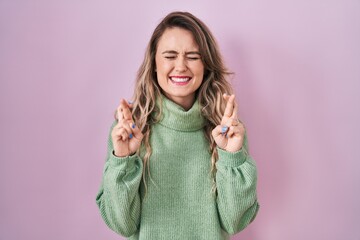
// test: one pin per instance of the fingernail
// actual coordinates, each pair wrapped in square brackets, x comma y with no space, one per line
[133,125]
[130,136]
[224,129]
[130,102]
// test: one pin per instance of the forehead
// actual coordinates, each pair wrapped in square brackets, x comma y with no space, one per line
[177,39]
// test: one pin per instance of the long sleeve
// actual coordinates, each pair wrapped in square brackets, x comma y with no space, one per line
[118,198]
[236,180]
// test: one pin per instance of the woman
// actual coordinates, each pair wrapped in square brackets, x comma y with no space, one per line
[178,165]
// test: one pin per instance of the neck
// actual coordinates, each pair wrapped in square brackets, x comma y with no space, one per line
[185,102]
[174,116]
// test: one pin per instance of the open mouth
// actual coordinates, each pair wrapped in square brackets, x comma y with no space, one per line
[180,80]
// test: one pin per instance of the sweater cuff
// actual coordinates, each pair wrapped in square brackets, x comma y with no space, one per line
[127,162]
[231,159]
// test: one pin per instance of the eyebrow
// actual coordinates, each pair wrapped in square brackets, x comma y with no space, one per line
[186,53]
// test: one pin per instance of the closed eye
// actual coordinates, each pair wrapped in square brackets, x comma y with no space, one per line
[193,58]
[170,57]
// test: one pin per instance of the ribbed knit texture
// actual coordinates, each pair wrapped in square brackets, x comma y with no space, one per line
[179,204]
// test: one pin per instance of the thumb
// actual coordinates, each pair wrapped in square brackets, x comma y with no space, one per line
[220,130]
[136,131]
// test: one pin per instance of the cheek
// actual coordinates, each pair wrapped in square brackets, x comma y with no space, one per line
[162,71]
[163,67]
[199,70]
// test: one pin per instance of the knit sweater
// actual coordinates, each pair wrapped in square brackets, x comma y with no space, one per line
[179,203]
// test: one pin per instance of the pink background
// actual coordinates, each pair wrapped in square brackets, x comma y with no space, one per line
[65,64]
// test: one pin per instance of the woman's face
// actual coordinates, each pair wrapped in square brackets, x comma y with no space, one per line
[179,67]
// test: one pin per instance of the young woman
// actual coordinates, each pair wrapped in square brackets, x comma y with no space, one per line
[178,165]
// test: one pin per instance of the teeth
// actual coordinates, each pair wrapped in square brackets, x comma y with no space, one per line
[175,79]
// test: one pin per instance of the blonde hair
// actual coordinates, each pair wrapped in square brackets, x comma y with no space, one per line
[209,94]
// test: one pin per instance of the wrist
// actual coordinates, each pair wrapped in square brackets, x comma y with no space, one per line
[119,154]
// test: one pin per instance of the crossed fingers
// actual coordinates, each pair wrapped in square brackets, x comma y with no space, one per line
[125,121]
[230,123]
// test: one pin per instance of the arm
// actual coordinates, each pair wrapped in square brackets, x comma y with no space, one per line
[118,198]
[236,180]
[236,175]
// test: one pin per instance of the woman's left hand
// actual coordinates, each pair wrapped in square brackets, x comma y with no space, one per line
[229,135]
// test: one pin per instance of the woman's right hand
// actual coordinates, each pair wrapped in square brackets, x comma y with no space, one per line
[126,136]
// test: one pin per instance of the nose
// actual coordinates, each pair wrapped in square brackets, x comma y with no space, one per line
[180,64]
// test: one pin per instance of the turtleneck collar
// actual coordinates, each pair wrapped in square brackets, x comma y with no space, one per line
[175,117]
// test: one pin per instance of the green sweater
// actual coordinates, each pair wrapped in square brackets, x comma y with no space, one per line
[179,203]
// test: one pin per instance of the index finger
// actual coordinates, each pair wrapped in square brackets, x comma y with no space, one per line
[229,109]
[234,114]
[124,110]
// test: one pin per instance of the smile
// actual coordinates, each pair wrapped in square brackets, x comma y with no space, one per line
[180,80]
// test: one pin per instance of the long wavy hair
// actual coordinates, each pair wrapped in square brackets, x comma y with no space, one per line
[210,93]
